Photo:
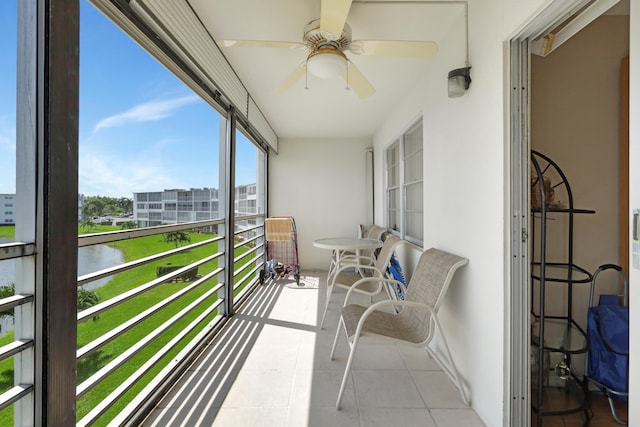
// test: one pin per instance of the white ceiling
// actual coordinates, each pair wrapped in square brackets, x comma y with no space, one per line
[326,109]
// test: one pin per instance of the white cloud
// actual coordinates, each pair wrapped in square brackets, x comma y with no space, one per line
[104,175]
[149,111]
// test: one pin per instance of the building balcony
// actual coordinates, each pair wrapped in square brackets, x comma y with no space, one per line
[165,347]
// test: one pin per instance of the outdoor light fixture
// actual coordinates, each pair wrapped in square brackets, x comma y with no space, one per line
[459,81]
[327,62]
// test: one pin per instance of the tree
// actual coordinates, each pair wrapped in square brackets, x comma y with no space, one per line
[124,204]
[177,237]
[93,206]
[127,225]
[96,206]
[87,299]
[87,224]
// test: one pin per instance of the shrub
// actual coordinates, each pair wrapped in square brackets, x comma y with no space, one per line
[7,291]
[87,299]
[187,276]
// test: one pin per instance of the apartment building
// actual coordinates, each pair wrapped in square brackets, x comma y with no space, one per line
[180,205]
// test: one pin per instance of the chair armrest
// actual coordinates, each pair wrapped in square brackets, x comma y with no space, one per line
[381,304]
[373,268]
[380,280]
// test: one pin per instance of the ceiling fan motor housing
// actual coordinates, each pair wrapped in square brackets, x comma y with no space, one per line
[315,38]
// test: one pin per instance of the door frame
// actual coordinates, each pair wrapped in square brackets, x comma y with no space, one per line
[519,47]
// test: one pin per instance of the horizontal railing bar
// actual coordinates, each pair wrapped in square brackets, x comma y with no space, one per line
[126,296]
[132,264]
[14,394]
[115,236]
[237,285]
[16,250]
[159,384]
[15,347]
[249,275]
[244,294]
[246,254]
[244,242]
[144,402]
[106,370]
[239,218]
[108,237]
[14,301]
[106,403]
[246,230]
[96,344]
[239,271]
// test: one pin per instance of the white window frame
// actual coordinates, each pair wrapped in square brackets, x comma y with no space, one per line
[399,227]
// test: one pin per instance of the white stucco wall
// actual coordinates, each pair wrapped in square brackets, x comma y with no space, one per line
[321,183]
[466,191]
[464,209]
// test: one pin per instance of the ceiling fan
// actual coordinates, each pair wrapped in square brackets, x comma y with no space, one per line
[327,39]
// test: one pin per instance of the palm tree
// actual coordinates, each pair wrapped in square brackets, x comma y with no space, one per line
[93,206]
[87,224]
[177,237]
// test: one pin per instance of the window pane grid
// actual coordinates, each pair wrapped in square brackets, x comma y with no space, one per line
[404,168]
[413,167]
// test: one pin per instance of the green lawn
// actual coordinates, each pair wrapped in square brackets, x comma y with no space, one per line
[7,231]
[90,330]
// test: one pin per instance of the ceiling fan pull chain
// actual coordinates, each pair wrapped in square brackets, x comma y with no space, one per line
[306,77]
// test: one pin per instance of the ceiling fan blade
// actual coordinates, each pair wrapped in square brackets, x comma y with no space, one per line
[290,80]
[358,82]
[395,48]
[333,15]
[261,43]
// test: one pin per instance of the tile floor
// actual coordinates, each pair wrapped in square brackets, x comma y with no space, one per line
[271,367]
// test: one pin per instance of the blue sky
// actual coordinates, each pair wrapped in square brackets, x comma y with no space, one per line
[140,128]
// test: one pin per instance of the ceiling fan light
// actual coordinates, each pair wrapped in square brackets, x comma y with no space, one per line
[327,64]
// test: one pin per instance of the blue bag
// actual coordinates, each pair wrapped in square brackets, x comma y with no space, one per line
[396,272]
[608,334]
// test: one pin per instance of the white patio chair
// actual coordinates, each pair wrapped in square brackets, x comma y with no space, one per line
[350,270]
[361,257]
[417,319]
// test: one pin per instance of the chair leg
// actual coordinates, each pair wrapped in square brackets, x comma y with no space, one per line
[347,372]
[326,304]
[613,411]
[451,370]
[335,340]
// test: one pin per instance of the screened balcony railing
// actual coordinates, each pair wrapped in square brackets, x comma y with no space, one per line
[18,346]
[160,306]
